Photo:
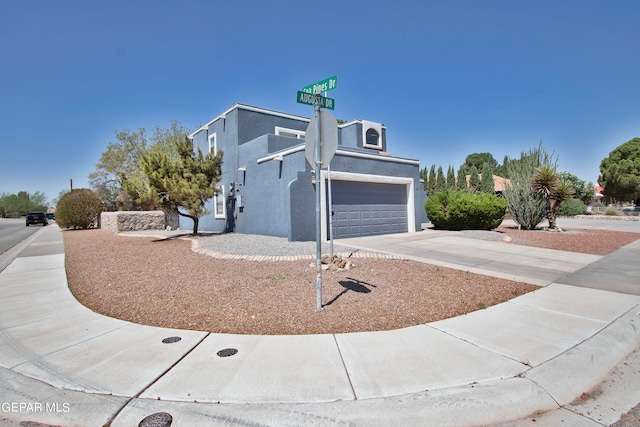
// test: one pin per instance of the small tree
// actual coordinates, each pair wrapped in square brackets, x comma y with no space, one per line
[548,184]
[474,180]
[79,208]
[431,183]
[441,183]
[486,182]
[461,183]
[451,178]
[186,182]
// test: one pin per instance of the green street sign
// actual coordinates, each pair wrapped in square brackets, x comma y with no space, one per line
[308,98]
[322,86]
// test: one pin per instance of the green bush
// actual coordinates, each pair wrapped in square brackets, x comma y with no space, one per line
[572,207]
[458,210]
[78,209]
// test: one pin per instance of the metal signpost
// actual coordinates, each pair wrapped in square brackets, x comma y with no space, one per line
[321,140]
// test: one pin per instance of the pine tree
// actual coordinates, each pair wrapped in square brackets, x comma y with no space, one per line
[187,181]
[487,184]
[431,183]
[474,180]
[461,184]
[451,178]
[424,176]
[441,183]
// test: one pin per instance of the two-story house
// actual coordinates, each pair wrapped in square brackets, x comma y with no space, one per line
[268,187]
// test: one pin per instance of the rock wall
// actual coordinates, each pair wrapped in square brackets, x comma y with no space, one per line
[136,220]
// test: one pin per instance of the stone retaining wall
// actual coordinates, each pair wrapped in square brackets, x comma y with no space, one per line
[137,220]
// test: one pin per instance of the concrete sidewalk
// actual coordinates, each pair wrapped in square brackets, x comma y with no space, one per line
[62,364]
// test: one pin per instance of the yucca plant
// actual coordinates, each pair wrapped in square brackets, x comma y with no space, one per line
[548,184]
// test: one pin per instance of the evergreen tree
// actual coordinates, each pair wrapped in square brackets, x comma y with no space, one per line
[474,180]
[486,182]
[184,182]
[424,176]
[451,178]
[620,173]
[441,182]
[461,183]
[431,183]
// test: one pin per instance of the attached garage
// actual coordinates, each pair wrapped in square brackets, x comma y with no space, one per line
[366,205]
[368,208]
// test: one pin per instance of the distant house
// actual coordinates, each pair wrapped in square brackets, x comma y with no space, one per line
[499,183]
[268,187]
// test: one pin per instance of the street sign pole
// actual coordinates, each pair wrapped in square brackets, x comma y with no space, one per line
[320,153]
[330,201]
[316,108]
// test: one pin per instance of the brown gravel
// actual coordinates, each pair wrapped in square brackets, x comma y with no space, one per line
[594,242]
[164,283]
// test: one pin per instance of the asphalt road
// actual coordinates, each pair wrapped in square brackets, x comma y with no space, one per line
[14,236]
[14,231]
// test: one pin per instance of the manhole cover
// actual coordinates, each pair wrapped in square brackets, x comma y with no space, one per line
[171,340]
[227,352]
[159,419]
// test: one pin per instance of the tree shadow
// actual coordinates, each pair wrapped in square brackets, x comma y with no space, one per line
[189,234]
[351,285]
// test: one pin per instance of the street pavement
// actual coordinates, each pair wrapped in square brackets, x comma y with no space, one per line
[567,353]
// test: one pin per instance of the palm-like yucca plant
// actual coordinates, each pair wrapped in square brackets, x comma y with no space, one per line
[564,191]
[554,190]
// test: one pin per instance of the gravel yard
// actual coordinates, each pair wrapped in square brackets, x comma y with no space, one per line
[163,282]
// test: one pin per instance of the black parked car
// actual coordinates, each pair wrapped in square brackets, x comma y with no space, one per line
[37,218]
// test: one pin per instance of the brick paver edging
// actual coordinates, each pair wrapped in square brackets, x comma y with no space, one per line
[195,247]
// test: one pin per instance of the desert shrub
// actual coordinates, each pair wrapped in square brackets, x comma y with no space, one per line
[611,211]
[572,207]
[458,210]
[78,209]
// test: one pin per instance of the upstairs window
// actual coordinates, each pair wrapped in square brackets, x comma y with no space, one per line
[372,138]
[291,133]
[372,135]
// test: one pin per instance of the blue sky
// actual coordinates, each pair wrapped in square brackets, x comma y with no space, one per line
[447,78]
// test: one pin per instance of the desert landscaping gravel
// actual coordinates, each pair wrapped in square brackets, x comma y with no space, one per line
[164,282]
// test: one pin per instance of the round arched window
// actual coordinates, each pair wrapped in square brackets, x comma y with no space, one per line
[373,138]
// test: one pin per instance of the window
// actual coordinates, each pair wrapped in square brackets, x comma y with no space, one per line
[213,145]
[218,204]
[372,135]
[291,133]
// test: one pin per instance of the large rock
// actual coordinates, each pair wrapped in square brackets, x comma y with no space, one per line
[134,221]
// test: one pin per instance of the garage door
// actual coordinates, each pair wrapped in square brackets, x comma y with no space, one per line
[365,209]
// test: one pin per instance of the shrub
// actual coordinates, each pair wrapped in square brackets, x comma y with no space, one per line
[611,211]
[572,207]
[78,209]
[457,210]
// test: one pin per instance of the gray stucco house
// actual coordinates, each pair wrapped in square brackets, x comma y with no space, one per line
[268,187]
